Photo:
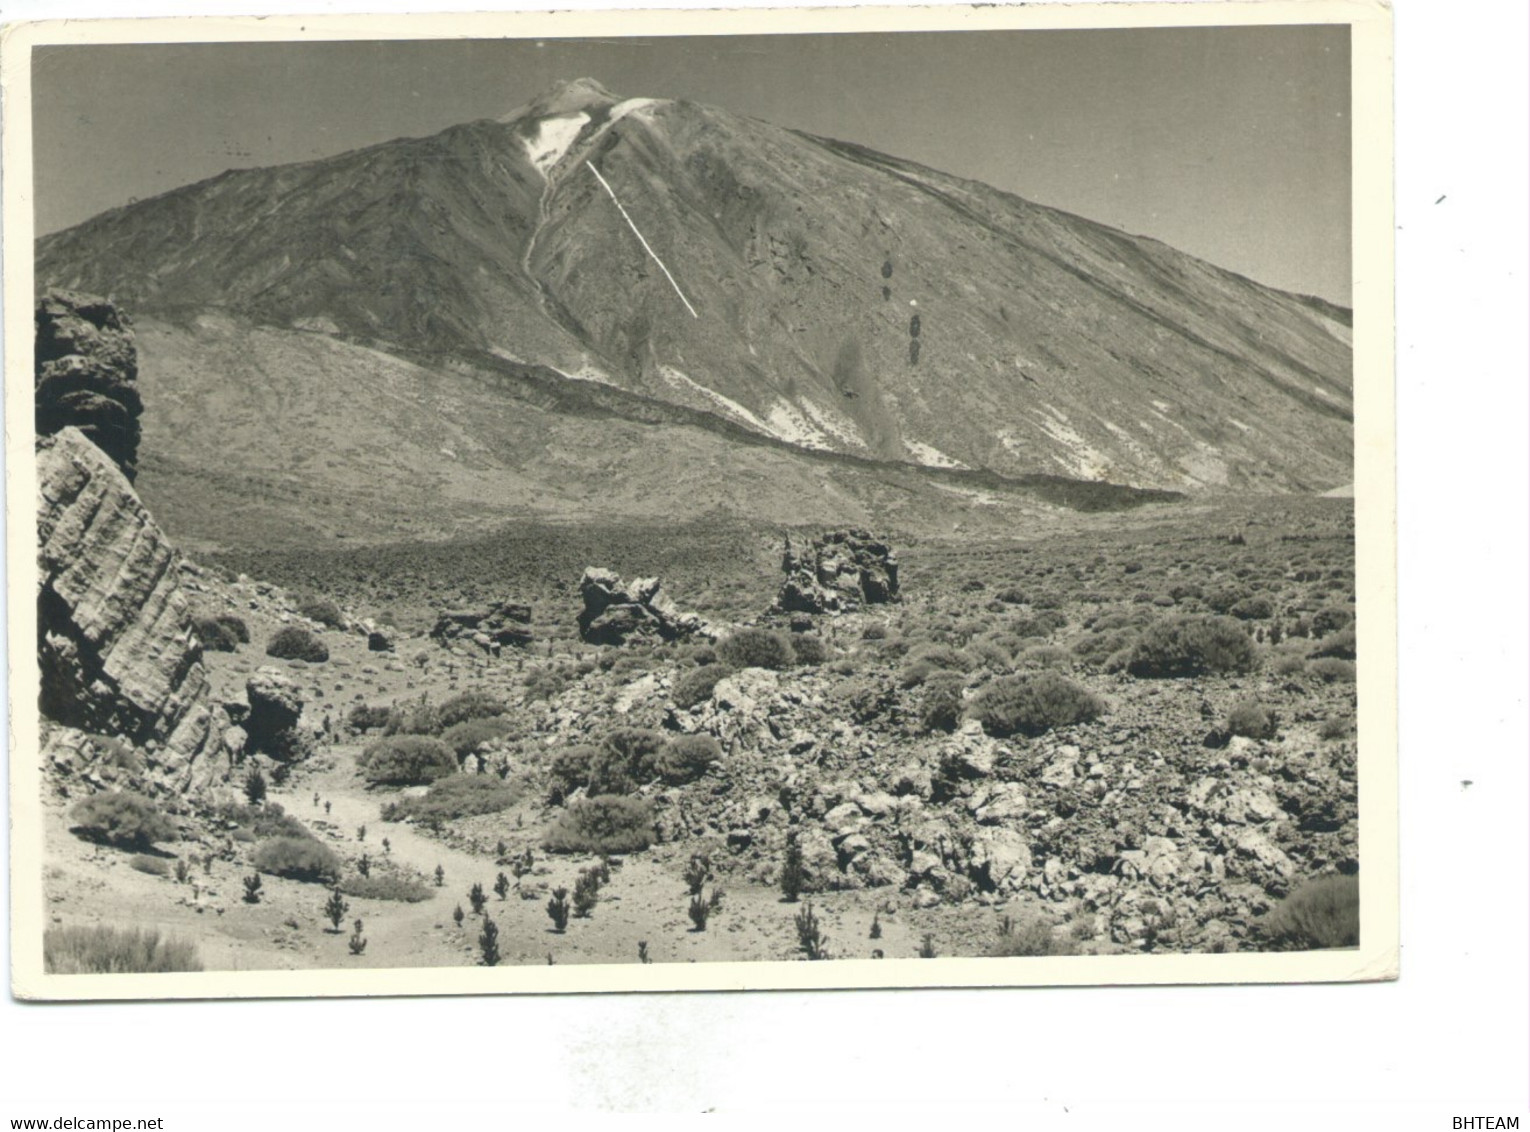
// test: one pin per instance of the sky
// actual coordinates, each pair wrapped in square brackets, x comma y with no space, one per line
[1232,144]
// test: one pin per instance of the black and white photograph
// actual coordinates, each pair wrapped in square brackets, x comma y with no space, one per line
[701,502]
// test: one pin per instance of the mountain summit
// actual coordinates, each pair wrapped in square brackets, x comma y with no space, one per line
[801,289]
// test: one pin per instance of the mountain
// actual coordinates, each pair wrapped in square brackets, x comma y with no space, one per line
[806,291]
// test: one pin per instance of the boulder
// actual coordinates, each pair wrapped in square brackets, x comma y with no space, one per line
[838,572]
[87,374]
[116,648]
[616,611]
[276,706]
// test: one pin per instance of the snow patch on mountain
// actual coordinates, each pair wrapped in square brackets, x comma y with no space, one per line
[841,428]
[553,138]
[930,456]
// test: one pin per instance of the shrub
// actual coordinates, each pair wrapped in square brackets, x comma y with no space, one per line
[558,908]
[252,888]
[477,898]
[793,876]
[1340,645]
[698,911]
[809,649]
[1032,705]
[811,939]
[393,884]
[605,823]
[255,787]
[297,858]
[1327,621]
[418,718]
[1339,727]
[105,950]
[488,944]
[757,648]
[406,760]
[296,643]
[335,908]
[457,796]
[1191,646]
[686,758]
[364,717]
[1331,670]
[269,820]
[466,737]
[124,819]
[570,767]
[1324,912]
[234,626]
[586,893]
[697,684]
[1252,609]
[214,635]
[154,866]
[469,705]
[1252,720]
[1288,665]
[322,610]
[941,708]
[1032,937]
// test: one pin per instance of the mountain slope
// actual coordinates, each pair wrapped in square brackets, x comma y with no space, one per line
[806,289]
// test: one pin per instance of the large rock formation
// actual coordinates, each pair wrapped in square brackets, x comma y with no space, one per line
[839,572]
[115,643]
[615,611]
[87,374]
[505,624]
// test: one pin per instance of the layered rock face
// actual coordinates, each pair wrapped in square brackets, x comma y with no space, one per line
[116,647]
[87,374]
[615,611]
[839,572]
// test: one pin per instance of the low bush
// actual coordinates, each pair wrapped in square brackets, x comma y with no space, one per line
[154,866]
[1252,609]
[421,717]
[469,705]
[757,648]
[1321,913]
[941,707]
[269,820]
[603,824]
[234,625]
[1339,727]
[1030,937]
[624,758]
[1288,665]
[406,760]
[570,767]
[457,796]
[466,737]
[395,885]
[1332,670]
[1033,705]
[809,649]
[1340,645]
[685,758]
[1192,646]
[365,718]
[124,819]
[214,635]
[105,950]
[322,610]
[1043,624]
[297,858]
[1326,621]
[1252,720]
[697,684]
[296,643]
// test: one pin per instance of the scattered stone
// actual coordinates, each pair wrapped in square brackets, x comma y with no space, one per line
[616,611]
[490,629]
